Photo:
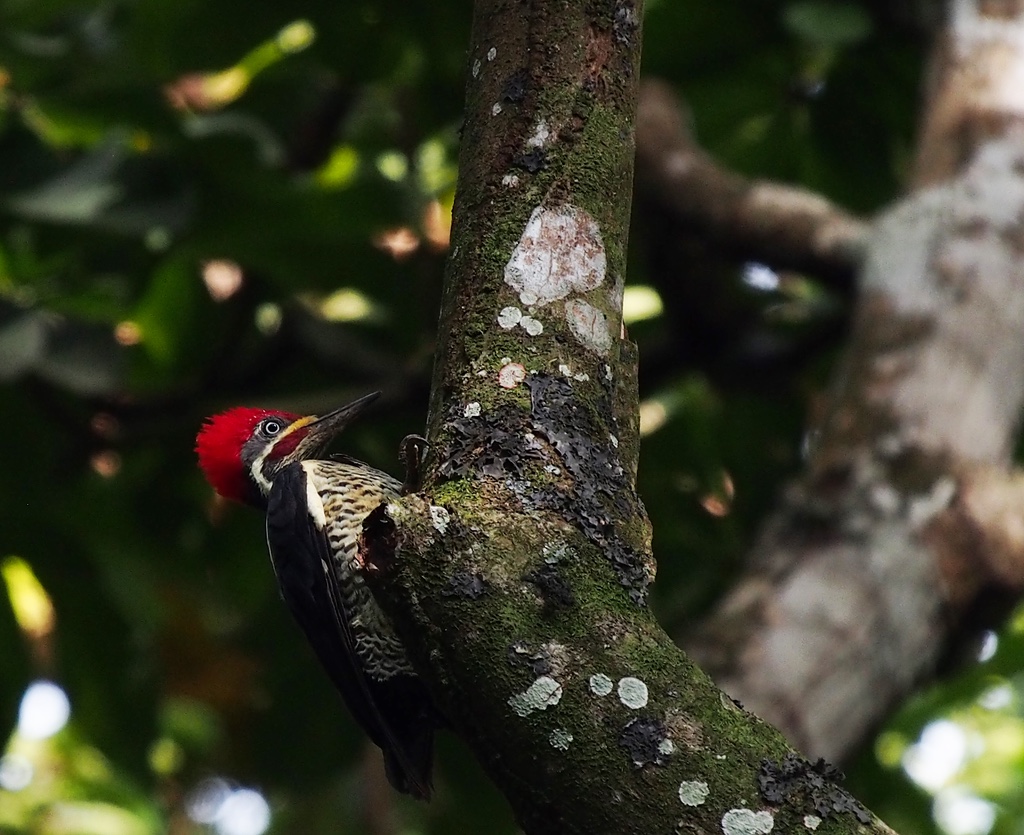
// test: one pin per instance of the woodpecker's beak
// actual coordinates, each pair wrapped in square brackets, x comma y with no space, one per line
[320,431]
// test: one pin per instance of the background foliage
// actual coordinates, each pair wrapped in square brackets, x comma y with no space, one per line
[210,203]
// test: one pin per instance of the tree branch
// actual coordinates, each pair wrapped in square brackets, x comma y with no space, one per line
[907,511]
[518,577]
[785,226]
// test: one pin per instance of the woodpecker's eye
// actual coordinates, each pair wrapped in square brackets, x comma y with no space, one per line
[271,427]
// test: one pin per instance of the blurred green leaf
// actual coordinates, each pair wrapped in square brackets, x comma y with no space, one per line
[191,723]
[80,194]
[172,313]
[22,340]
[828,22]
[82,358]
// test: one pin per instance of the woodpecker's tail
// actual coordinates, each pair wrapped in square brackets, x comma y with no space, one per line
[410,771]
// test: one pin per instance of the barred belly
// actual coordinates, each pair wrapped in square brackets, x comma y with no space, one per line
[349,493]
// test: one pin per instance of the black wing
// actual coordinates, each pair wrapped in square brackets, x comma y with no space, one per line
[396,713]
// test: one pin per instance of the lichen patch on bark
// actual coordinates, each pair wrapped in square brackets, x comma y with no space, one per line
[632,692]
[511,375]
[559,253]
[545,692]
[693,792]
[589,325]
[600,684]
[747,822]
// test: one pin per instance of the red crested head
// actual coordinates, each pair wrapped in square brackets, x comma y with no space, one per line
[241,450]
[220,445]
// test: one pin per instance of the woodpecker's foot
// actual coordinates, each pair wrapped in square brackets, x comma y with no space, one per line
[411,452]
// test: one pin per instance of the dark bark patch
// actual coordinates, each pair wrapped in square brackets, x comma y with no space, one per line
[812,785]
[533,160]
[539,663]
[516,86]
[481,445]
[376,548]
[644,739]
[601,496]
[465,584]
[626,21]
[553,587]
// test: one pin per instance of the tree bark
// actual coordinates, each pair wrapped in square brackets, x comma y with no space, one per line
[761,220]
[518,575]
[908,516]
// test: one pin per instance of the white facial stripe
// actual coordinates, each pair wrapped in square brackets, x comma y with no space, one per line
[313,501]
[256,471]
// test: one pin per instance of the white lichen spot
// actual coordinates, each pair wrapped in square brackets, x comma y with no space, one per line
[476,68]
[812,822]
[439,518]
[719,756]
[510,180]
[545,692]
[471,410]
[600,684]
[632,692]
[531,326]
[492,53]
[747,822]
[553,554]
[560,252]
[582,377]
[614,440]
[693,792]
[589,325]
[511,375]
[541,134]
[509,317]
[496,108]
[666,747]
[560,739]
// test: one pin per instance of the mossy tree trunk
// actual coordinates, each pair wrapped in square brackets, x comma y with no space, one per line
[518,575]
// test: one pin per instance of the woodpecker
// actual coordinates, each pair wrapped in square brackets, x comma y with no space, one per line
[315,510]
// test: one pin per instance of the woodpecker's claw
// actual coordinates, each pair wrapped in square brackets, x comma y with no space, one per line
[411,453]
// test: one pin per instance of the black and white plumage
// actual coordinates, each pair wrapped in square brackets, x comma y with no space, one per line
[315,510]
[314,515]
